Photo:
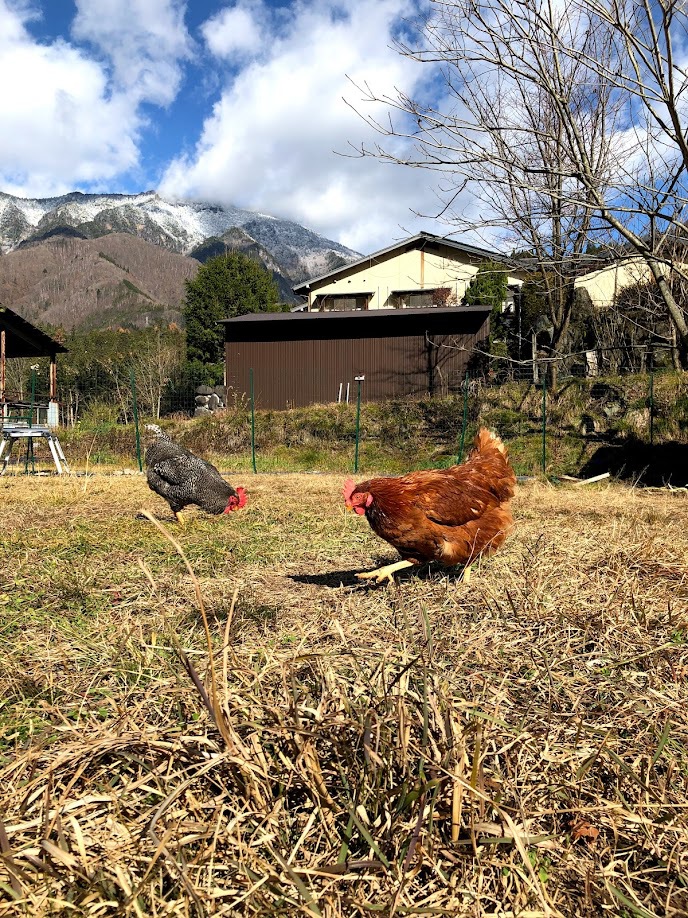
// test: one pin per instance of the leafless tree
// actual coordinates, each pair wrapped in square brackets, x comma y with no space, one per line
[647,70]
[565,125]
[153,366]
[17,372]
[512,91]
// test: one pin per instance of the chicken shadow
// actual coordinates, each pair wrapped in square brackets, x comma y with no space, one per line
[331,579]
[336,579]
[635,461]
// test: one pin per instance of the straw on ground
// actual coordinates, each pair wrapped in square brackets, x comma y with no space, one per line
[516,746]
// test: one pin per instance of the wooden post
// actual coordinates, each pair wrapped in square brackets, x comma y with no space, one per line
[53,377]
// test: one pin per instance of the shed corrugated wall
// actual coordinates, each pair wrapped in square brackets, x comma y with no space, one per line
[302,363]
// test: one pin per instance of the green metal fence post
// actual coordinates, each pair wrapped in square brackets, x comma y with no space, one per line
[651,399]
[253,420]
[459,458]
[359,380]
[544,422]
[135,408]
[29,442]
[33,395]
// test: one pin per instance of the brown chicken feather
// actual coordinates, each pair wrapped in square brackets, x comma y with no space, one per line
[449,515]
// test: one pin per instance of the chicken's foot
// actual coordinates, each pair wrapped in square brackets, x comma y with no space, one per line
[386,572]
[179,517]
[466,574]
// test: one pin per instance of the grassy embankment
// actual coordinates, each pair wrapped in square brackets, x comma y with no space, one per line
[406,434]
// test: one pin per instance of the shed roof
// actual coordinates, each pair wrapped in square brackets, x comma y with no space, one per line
[375,323]
[363,314]
[25,340]
[419,241]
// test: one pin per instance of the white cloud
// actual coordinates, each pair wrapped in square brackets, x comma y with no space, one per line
[145,40]
[272,139]
[71,119]
[235,31]
[79,111]
[60,126]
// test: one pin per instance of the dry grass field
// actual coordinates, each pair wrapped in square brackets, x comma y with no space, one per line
[233,725]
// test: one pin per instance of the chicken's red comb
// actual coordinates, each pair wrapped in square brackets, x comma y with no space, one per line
[243,497]
[348,489]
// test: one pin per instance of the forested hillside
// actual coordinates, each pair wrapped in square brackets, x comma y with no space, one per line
[95,283]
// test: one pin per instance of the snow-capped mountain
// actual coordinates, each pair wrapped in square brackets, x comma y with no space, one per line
[177,226]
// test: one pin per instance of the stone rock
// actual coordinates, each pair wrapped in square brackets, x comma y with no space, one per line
[203,390]
[588,425]
[213,401]
[200,412]
[613,409]
[202,400]
[220,391]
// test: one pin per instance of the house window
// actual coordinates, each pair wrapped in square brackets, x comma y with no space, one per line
[414,299]
[331,303]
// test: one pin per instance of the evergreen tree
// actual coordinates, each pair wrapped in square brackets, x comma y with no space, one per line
[225,286]
[489,287]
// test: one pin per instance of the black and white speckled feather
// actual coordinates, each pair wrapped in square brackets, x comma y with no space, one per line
[182,478]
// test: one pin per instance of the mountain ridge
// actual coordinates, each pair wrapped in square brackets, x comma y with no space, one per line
[100,260]
[117,280]
[177,226]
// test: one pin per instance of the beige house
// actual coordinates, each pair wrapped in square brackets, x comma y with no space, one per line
[421,271]
[427,270]
[605,283]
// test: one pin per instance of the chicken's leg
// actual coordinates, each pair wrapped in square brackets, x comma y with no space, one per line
[179,517]
[467,574]
[386,572]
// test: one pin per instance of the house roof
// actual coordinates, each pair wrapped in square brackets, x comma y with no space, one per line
[350,294]
[24,339]
[419,241]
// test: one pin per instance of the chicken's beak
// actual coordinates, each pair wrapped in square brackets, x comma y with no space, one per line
[348,508]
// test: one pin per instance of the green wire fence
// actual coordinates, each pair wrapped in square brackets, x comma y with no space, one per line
[543,434]
[253,421]
[135,411]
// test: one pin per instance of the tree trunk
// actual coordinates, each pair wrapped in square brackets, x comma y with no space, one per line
[676,316]
[552,377]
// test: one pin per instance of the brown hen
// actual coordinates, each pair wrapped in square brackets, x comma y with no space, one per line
[449,515]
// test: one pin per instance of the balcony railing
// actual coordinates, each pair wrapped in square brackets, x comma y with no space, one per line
[24,414]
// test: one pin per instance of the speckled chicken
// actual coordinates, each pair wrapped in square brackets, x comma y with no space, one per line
[182,478]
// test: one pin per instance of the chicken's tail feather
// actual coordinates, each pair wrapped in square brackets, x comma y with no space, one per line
[488,439]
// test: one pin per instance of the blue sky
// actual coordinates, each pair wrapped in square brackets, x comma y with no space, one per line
[234,103]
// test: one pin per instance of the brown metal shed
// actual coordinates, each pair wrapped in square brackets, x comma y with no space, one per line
[305,358]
